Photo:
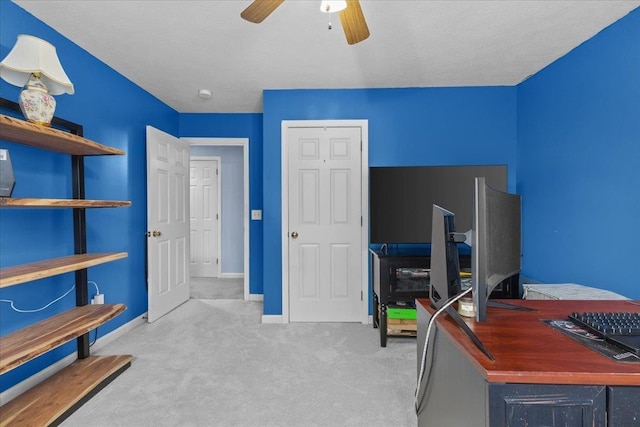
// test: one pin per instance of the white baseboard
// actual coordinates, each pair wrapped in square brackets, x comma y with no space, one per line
[272,318]
[256,297]
[277,318]
[117,333]
[231,275]
[21,387]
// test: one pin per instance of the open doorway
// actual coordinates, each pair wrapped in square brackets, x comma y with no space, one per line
[233,176]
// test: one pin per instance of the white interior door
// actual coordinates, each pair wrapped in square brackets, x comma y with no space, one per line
[168,222]
[325,224]
[205,217]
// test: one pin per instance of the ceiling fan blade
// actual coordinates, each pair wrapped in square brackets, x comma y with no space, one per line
[353,22]
[258,11]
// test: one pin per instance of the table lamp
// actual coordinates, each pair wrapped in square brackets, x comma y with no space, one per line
[33,64]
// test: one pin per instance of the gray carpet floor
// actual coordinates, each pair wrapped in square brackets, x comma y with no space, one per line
[213,363]
[216,288]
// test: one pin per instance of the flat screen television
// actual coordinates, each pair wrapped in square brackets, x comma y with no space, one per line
[401,199]
[495,242]
[445,263]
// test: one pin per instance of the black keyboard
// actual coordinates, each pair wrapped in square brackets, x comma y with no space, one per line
[604,324]
[619,328]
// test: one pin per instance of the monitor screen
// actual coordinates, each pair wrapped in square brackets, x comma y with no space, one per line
[445,264]
[401,198]
[496,241]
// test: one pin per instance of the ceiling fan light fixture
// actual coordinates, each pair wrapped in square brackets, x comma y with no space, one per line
[331,6]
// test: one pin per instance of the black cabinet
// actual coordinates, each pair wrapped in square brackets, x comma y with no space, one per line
[512,405]
[623,406]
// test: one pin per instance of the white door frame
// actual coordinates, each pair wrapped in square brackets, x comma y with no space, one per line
[219,212]
[244,143]
[364,153]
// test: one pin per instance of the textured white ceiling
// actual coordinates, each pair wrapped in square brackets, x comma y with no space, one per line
[172,48]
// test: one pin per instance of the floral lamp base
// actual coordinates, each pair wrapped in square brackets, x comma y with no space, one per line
[35,102]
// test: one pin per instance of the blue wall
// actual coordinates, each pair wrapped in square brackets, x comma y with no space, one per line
[436,126]
[238,126]
[578,150]
[114,112]
[231,175]
[572,130]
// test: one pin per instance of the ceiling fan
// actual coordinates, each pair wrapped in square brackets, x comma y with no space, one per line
[352,19]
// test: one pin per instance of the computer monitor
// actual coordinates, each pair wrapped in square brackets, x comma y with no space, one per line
[496,242]
[445,263]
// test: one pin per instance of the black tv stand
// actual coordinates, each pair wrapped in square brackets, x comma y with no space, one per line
[395,278]
[389,284]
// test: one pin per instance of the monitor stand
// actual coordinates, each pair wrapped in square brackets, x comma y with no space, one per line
[472,336]
[506,306]
[461,323]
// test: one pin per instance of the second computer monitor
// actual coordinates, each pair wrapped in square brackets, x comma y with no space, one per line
[445,264]
[496,242]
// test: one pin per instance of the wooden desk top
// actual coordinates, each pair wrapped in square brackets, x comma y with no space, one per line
[527,350]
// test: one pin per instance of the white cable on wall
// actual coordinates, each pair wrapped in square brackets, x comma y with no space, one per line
[19,310]
[35,310]
[96,285]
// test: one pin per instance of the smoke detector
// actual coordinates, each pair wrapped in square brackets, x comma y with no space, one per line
[205,93]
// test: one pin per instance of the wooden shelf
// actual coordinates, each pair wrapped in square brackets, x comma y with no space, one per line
[58,396]
[30,342]
[10,276]
[12,202]
[26,133]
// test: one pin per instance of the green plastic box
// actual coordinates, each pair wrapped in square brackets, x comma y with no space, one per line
[401,313]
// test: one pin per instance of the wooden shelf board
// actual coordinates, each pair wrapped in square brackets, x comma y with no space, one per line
[58,396]
[30,342]
[46,138]
[10,276]
[12,202]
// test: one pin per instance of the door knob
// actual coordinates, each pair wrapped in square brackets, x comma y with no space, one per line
[156,233]
[294,235]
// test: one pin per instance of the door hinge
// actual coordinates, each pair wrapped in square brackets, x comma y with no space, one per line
[361,222]
[360,145]
[216,171]
[361,296]
[216,216]
[217,261]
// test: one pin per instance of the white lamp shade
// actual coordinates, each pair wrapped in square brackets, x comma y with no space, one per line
[33,55]
[331,6]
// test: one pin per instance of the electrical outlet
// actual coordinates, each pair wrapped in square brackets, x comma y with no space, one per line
[256,214]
